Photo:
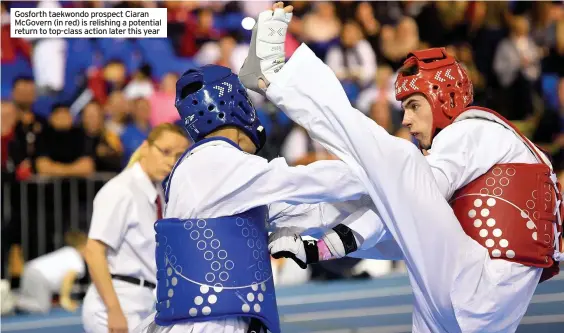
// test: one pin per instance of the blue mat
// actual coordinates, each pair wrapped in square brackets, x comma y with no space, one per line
[373,306]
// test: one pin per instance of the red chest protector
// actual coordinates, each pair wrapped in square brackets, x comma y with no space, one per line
[514,209]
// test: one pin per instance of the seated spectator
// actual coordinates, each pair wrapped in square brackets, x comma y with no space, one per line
[397,42]
[8,123]
[28,128]
[383,87]
[466,57]
[353,60]
[14,158]
[517,65]
[549,133]
[204,30]
[137,131]
[162,101]
[554,61]
[369,23]
[384,115]
[49,59]
[180,27]
[299,149]
[141,85]
[321,27]
[106,146]
[62,149]
[11,46]
[117,109]
[103,82]
[221,53]
[53,273]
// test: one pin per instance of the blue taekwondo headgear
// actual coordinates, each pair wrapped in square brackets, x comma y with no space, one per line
[211,97]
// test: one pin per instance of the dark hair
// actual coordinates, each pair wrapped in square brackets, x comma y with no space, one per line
[75,238]
[57,106]
[146,70]
[114,61]
[24,78]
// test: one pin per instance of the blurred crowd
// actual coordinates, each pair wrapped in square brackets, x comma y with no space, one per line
[76,107]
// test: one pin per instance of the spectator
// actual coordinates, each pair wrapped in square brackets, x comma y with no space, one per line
[141,85]
[62,149]
[136,132]
[11,46]
[106,146]
[517,65]
[204,30]
[550,131]
[353,60]
[117,112]
[29,126]
[53,273]
[103,82]
[465,56]
[180,27]
[383,87]
[383,114]
[543,25]
[370,26]
[162,101]
[14,158]
[222,53]
[299,149]
[49,59]
[321,27]
[554,62]
[8,123]
[396,43]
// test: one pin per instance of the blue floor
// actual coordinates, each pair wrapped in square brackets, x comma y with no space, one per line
[374,306]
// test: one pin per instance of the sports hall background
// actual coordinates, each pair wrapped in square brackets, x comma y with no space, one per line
[117,89]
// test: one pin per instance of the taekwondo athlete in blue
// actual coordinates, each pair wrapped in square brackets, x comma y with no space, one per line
[213,265]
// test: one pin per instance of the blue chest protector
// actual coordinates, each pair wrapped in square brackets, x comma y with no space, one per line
[215,268]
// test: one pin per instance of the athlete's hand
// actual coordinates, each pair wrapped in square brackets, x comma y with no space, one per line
[117,323]
[284,243]
[266,51]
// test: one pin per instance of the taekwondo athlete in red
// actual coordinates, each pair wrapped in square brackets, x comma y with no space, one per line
[459,286]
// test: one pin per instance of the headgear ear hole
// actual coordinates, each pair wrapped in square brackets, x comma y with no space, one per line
[211,107]
[190,89]
[452,102]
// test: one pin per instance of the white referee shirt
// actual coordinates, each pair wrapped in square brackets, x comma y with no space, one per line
[123,218]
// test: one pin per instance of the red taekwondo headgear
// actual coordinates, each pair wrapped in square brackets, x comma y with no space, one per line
[438,76]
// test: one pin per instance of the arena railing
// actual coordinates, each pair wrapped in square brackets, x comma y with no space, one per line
[38,211]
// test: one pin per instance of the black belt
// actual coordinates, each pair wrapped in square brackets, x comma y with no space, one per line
[134,280]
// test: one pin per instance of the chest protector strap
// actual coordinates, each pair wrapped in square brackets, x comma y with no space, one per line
[215,268]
